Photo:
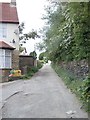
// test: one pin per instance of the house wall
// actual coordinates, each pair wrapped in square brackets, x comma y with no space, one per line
[11,35]
[15,59]
[8,39]
[4,73]
[25,62]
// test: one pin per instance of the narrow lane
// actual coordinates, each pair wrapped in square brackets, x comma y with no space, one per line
[43,96]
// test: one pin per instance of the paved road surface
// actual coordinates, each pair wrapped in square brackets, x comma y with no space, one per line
[43,96]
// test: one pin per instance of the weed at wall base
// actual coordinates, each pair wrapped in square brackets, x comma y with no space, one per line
[78,86]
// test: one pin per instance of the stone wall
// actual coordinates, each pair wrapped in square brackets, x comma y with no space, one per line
[4,74]
[25,61]
[78,68]
[15,59]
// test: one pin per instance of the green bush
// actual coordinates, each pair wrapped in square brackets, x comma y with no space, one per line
[40,64]
[34,69]
[41,61]
[85,93]
[25,77]
[31,71]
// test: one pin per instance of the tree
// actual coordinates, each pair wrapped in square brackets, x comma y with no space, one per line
[41,56]
[25,36]
[68,35]
[33,54]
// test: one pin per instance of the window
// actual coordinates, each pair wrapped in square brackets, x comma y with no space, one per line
[1,58]
[3,30]
[5,58]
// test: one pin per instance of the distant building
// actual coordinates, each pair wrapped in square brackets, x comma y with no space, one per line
[9,39]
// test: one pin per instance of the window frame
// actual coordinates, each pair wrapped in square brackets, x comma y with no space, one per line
[4,57]
[3,30]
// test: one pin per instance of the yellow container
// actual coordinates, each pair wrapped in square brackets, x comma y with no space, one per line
[17,73]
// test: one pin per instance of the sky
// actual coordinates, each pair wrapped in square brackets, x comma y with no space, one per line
[30,12]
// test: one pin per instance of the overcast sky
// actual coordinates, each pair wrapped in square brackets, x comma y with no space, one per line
[30,12]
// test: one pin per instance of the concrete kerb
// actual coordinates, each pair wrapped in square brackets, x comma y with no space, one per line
[8,83]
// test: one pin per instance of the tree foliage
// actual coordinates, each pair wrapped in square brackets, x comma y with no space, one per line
[42,56]
[26,36]
[33,54]
[68,35]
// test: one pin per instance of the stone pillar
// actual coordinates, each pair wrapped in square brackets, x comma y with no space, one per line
[15,59]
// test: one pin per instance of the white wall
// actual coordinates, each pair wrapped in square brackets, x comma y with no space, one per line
[11,35]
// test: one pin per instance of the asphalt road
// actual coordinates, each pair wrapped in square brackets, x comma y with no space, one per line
[43,96]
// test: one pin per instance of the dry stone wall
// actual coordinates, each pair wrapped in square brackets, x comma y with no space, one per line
[77,68]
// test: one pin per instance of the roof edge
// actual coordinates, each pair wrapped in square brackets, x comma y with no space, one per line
[5,45]
[11,22]
[7,48]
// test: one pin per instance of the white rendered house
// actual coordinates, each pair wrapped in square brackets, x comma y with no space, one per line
[9,39]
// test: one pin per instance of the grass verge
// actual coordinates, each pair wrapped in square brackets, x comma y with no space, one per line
[76,85]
